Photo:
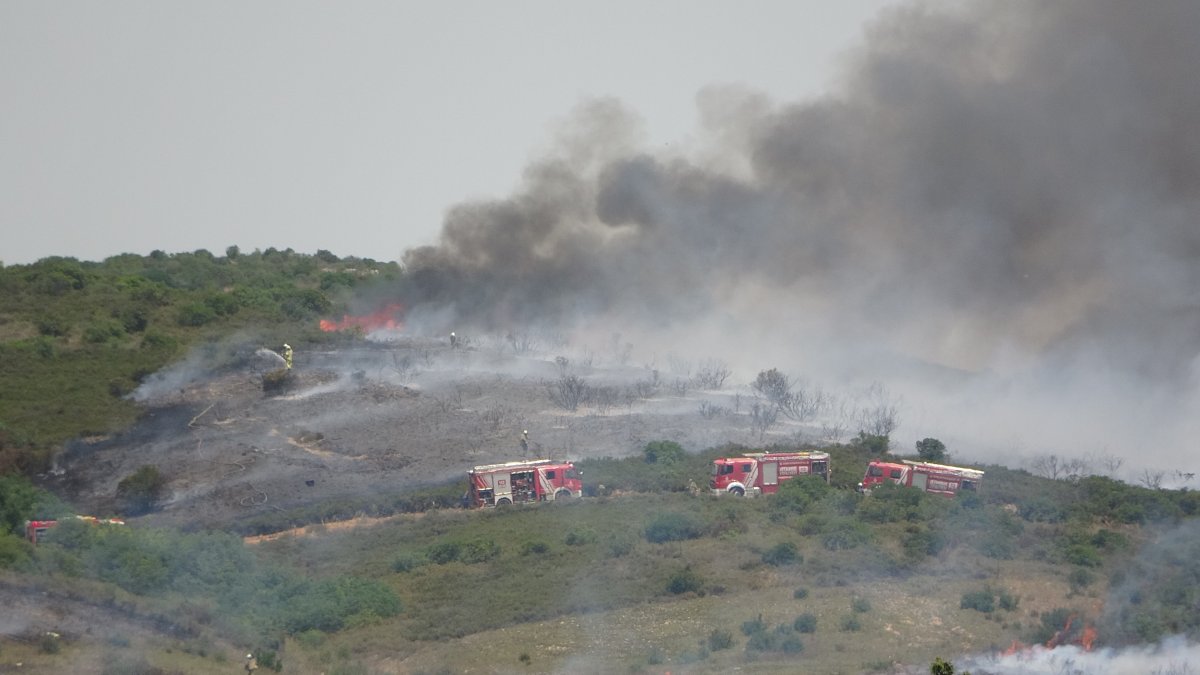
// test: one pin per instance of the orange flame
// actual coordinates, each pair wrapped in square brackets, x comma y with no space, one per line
[1088,638]
[382,319]
[1014,648]
[1060,635]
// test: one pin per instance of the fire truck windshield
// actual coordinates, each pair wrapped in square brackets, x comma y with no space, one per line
[722,469]
[573,474]
[875,471]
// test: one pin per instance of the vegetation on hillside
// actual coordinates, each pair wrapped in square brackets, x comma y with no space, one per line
[77,337]
[646,539]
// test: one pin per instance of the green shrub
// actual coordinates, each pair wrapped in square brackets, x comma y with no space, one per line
[1051,623]
[15,552]
[919,541]
[1007,601]
[673,527]
[1082,554]
[49,643]
[980,601]
[535,548]
[800,593]
[783,553]
[663,452]
[1080,578]
[720,639]
[195,314]
[931,450]
[755,625]
[103,330]
[140,491]
[850,624]
[579,537]
[805,623]
[480,550]
[872,443]
[684,581]
[860,605]
[408,563]
[845,533]
[444,552]
[619,547]
[798,495]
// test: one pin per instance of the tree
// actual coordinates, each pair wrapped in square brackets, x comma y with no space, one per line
[762,418]
[773,385]
[931,450]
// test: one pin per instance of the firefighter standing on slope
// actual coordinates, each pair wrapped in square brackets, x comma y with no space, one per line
[251,663]
[287,355]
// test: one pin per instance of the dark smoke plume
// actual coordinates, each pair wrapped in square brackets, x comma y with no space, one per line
[994,175]
[992,182]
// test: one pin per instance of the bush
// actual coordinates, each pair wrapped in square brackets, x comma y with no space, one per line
[980,601]
[850,624]
[872,443]
[805,623]
[480,550]
[408,563]
[1080,578]
[141,490]
[719,639]
[1082,554]
[1008,602]
[579,537]
[845,533]
[535,548]
[683,581]
[195,314]
[663,452]
[673,527]
[783,553]
[753,626]
[15,552]
[860,605]
[444,552]
[800,593]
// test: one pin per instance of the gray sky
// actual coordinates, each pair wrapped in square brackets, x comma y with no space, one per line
[134,126]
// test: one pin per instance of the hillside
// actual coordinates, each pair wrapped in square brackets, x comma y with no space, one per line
[356,465]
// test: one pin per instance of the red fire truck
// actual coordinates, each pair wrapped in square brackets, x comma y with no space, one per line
[528,481]
[36,529]
[936,478]
[762,472]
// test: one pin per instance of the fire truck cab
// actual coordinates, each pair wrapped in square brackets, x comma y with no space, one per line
[925,476]
[527,481]
[762,472]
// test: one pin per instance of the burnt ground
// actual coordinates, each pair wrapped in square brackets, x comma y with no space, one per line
[382,418]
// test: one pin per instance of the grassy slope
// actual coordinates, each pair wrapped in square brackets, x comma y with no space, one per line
[587,606]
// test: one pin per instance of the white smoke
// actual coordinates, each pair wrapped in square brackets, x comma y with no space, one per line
[1172,656]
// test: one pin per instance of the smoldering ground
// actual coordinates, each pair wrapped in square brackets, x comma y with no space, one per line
[1005,189]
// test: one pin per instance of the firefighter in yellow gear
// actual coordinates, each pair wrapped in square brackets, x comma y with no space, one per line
[287,355]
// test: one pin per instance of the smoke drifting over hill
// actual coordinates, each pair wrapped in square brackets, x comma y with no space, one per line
[994,186]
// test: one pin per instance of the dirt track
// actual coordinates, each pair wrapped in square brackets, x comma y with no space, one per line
[376,419]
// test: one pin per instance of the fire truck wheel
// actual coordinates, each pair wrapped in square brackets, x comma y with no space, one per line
[503,501]
[562,494]
[737,491]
